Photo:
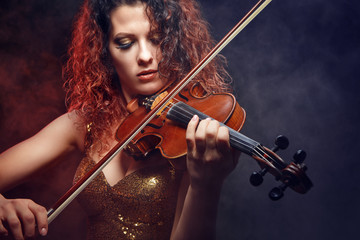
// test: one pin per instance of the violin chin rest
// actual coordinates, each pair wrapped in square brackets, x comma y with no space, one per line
[132,105]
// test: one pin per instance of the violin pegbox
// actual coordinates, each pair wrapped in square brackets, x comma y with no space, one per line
[290,175]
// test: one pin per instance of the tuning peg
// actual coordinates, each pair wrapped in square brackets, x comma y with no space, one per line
[281,142]
[299,156]
[256,178]
[277,192]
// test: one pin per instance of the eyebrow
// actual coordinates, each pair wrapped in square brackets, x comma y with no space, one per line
[123,34]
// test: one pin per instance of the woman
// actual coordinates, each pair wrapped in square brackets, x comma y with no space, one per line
[122,49]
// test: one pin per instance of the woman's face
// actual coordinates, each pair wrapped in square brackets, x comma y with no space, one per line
[135,51]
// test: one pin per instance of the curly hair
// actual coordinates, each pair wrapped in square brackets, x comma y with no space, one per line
[91,83]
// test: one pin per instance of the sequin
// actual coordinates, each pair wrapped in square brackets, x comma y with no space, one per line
[153,181]
[140,206]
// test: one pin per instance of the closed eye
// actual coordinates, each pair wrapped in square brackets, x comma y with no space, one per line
[123,43]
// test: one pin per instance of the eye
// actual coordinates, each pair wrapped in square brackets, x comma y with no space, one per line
[123,43]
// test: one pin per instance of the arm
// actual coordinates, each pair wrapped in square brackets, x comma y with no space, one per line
[209,161]
[58,138]
[26,158]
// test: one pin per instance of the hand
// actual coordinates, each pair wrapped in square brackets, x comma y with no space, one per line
[210,158]
[20,216]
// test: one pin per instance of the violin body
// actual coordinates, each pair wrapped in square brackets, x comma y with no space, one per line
[166,132]
[167,135]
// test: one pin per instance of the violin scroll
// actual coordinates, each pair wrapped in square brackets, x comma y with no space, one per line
[257,178]
[291,175]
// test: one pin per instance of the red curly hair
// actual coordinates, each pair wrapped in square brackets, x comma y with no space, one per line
[91,83]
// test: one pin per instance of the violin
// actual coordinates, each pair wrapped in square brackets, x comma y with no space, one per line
[156,122]
[168,126]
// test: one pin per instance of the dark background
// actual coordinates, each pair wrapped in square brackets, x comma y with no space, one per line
[295,70]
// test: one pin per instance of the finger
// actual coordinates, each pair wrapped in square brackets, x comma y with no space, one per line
[224,145]
[212,134]
[15,225]
[28,223]
[223,139]
[200,136]
[26,217]
[190,133]
[3,231]
[40,214]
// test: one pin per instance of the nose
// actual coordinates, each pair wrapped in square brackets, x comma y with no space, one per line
[145,55]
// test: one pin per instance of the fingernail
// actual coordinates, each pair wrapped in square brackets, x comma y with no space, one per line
[43,232]
[194,118]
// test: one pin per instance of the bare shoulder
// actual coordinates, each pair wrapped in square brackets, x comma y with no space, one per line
[60,137]
[67,128]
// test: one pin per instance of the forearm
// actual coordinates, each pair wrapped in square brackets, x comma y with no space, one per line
[198,217]
[209,161]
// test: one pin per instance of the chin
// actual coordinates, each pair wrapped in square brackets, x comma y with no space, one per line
[150,90]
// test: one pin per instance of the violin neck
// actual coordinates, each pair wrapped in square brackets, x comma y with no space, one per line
[183,113]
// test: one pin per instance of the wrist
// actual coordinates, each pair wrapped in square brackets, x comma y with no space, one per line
[205,190]
[206,184]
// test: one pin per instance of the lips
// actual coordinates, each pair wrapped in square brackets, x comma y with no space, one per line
[147,75]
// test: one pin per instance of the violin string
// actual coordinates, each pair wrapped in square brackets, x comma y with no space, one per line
[258,151]
[188,115]
[261,154]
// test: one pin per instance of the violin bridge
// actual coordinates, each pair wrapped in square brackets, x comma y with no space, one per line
[154,100]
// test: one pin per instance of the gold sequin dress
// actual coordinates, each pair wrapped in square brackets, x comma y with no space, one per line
[140,206]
